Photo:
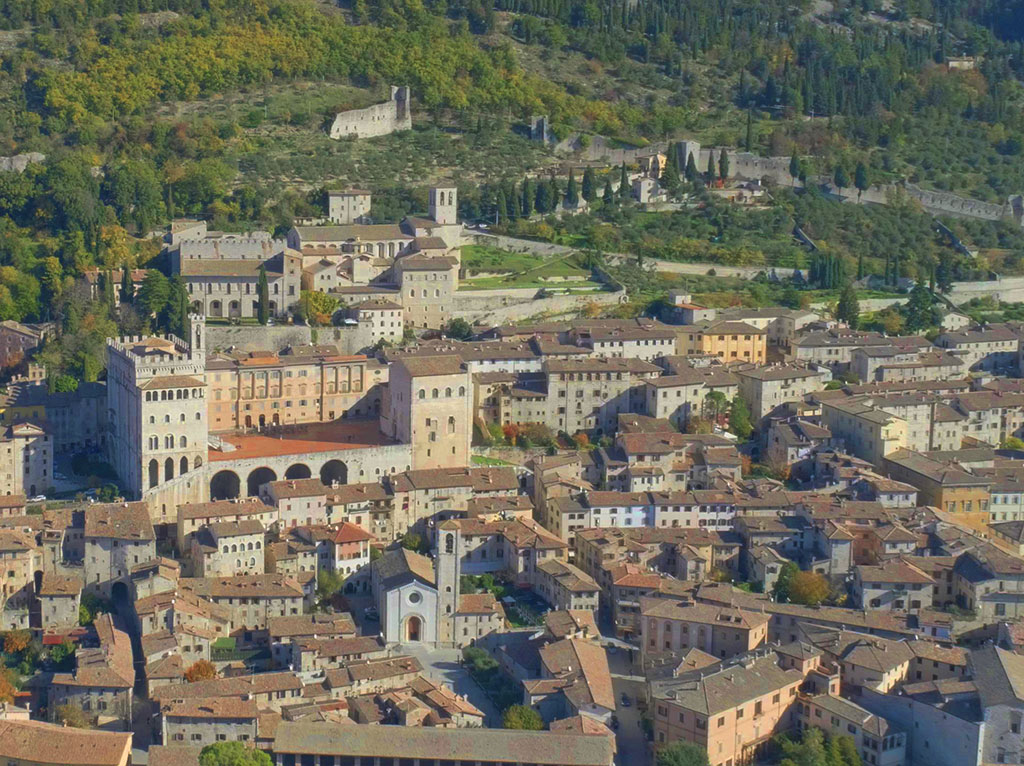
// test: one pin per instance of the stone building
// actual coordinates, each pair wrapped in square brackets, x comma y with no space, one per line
[671,626]
[20,559]
[202,722]
[230,288]
[26,460]
[301,384]
[251,600]
[348,206]
[430,407]
[766,388]
[59,599]
[156,389]
[731,710]
[17,340]
[229,548]
[419,600]
[378,120]
[118,537]
[102,681]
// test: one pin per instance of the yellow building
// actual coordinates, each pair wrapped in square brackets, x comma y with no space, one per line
[943,484]
[729,341]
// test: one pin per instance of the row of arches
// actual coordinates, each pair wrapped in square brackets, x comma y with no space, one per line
[234,308]
[165,395]
[234,548]
[436,393]
[227,485]
[154,442]
[169,466]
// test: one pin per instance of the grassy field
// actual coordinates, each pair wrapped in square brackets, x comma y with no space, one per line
[520,270]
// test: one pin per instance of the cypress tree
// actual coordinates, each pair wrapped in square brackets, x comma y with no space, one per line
[710,175]
[501,207]
[543,201]
[263,293]
[572,195]
[109,297]
[589,185]
[127,287]
[691,170]
[528,195]
[723,165]
[624,190]
[608,198]
[794,168]
[554,192]
[750,131]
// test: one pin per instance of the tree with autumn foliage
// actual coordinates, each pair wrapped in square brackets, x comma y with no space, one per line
[581,439]
[17,641]
[809,588]
[200,670]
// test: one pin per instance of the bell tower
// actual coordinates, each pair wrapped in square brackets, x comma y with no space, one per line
[449,558]
[444,206]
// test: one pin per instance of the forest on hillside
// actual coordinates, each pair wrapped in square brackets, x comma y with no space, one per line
[100,86]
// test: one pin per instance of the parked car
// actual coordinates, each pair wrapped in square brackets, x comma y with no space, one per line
[37,499]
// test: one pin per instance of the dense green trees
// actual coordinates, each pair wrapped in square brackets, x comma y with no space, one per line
[681,754]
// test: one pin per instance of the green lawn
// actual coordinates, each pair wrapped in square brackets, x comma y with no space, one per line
[492,461]
[519,269]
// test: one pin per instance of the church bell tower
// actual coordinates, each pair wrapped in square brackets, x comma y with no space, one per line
[449,557]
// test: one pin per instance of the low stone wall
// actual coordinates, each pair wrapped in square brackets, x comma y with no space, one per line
[490,312]
[255,337]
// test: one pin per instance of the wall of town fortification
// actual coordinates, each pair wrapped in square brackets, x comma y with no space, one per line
[256,338]
[377,120]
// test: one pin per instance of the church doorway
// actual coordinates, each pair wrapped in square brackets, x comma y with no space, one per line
[413,628]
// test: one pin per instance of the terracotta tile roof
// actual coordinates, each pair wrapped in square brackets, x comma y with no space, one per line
[56,585]
[34,742]
[312,437]
[430,366]
[584,664]
[243,586]
[212,708]
[172,381]
[544,748]
[119,521]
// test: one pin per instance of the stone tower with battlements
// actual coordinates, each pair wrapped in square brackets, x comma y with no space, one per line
[157,417]
[448,570]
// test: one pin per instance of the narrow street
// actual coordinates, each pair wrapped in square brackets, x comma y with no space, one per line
[630,739]
[141,724]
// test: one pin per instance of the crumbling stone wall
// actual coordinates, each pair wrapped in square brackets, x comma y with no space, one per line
[377,120]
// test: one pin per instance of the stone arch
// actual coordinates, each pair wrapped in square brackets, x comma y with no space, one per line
[257,478]
[215,309]
[298,471]
[224,485]
[412,628]
[169,469]
[154,473]
[334,471]
[183,466]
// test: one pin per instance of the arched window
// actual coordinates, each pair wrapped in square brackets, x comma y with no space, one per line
[451,425]
[183,466]
[197,462]
[152,419]
[257,545]
[169,441]
[434,394]
[238,563]
[252,562]
[154,473]
[169,469]
[422,394]
[182,442]
[167,418]
[447,392]
[462,390]
[225,549]
[449,543]
[234,549]
[250,546]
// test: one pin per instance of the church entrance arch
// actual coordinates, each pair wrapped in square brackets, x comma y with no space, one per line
[413,628]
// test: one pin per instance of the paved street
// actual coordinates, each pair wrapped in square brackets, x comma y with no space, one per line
[443,665]
[632,745]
